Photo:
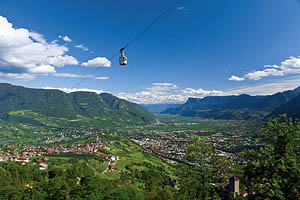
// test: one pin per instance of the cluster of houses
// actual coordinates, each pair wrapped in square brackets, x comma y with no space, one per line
[172,145]
[38,153]
[24,159]
[66,135]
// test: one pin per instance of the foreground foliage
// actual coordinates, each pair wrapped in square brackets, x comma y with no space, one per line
[274,170]
[81,181]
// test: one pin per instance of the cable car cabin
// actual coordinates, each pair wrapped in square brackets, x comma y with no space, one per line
[123,58]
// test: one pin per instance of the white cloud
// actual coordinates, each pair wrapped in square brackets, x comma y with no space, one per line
[201,93]
[80,46]
[97,62]
[182,8]
[25,54]
[291,66]
[165,84]
[68,75]
[16,77]
[37,37]
[257,75]
[267,88]
[166,93]
[102,78]
[65,38]
[43,69]
[61,61]
[70,90]
[236,78]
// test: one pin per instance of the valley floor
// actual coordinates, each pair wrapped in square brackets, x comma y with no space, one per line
[120,154]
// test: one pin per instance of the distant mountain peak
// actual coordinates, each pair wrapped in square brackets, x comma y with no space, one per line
[297,89]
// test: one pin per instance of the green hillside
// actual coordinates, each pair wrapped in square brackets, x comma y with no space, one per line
[276,100]
[291,108]
[22,104]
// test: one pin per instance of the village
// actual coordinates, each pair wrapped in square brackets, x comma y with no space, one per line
[170,146]
[39,154]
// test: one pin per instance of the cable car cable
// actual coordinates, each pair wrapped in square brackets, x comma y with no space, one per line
[168,11]
[84,79]
[156,20]
[120,27]
[128,20]
[63,81]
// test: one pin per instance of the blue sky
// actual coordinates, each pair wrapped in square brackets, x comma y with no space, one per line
[205,47]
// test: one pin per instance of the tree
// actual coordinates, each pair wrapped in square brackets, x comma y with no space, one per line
[203,170]
[10,192]
[273,171]
[203,156]
[200,153]
[5,178]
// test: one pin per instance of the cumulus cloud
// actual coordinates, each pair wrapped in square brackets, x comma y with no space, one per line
[80,46]
[43,69]
[68,75]
[97,62]
[102,78]
[236,78]
[25,54]
[257,75]
[166,93]
[65,38]
[61,61]
[37,37]
[70,90]
[290,66]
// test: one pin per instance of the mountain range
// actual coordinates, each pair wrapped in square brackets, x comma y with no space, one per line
[20,104]
[158,108]
[291,108]
[242,107]
[103,109]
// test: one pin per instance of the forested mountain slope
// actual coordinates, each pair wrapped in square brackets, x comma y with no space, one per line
[55,103]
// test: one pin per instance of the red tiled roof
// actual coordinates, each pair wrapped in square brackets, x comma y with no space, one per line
[127,182]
